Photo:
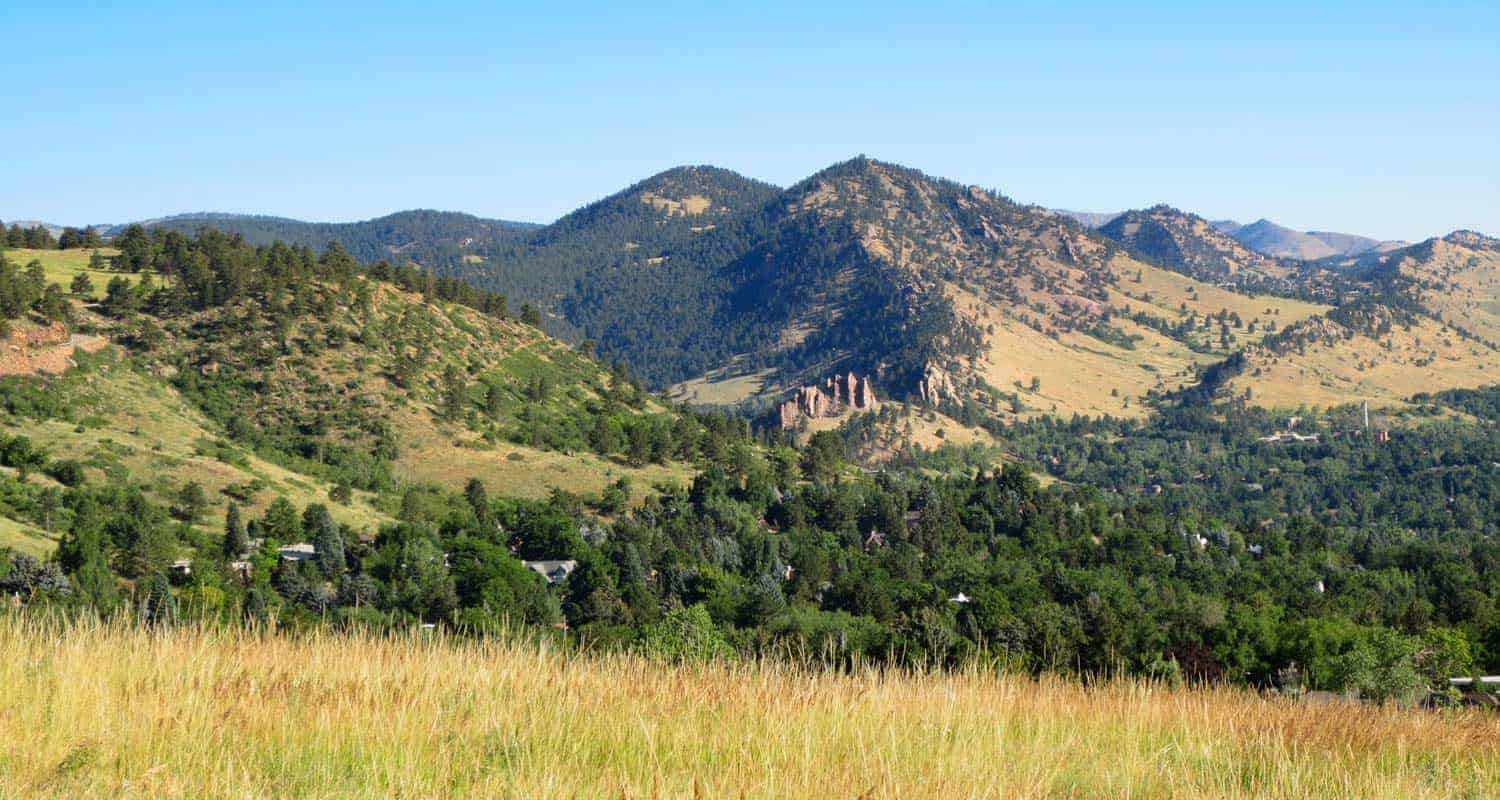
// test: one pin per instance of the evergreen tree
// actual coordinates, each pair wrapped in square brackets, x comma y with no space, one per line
[158,607]
[191,501]
[326,537]
[280,521]
[494,399]
[455,394]
[479,501]
[236,541]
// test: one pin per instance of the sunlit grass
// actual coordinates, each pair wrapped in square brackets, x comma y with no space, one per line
[61,266]
[91,710]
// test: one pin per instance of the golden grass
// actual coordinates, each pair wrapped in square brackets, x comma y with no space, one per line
[722,388]
[149,428]
[429,453]
[98,710]
[1078,373]
[60,266]
[1169,291]
[1385,372]
[25,538]
[691,205]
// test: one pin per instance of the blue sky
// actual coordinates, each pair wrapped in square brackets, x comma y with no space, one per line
[1371,118]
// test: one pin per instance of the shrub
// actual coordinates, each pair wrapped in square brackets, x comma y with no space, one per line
[686,634]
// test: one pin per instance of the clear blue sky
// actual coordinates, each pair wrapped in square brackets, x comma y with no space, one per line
[1361,117]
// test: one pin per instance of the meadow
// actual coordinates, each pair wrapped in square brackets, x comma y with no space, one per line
[91,709]
[61,266]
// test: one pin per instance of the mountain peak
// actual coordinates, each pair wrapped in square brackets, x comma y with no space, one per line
[1471,238]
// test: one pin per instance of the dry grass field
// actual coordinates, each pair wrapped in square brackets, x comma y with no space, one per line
[1385,371]
[62,265]
[90,710]
[450,458]
[135,426]
[24,538]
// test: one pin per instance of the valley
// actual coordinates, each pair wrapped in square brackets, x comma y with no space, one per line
[874,420]
[721,401]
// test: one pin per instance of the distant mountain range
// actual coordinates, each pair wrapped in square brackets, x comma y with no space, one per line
[1268,238]
[1275,240]
[731,290]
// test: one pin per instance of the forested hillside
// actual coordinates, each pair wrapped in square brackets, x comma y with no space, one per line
[233,376]
[1194,246]
[734,293]
[273,433]
[428,238]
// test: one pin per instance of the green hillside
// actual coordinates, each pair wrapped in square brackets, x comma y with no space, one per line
[269,434]
[429,238]
[259,374]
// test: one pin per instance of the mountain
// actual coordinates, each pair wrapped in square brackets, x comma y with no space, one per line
[429,238]
[272,373]
[1419,318]
[1194,246]
[635,271]
[731,291]
[1348,244]
[1267,237]
[926,288]
[1088,219]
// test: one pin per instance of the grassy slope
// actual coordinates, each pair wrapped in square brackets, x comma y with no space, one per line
[62,265]
[92,711]
[512,355]
[1385,372]
[1463,286]
[130,423]
[24,538]
[1080,373]
[1460,286]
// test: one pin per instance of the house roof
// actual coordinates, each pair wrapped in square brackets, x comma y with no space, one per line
[300,551]
[554,570]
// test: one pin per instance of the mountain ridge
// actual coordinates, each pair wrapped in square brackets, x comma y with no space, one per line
[943,293]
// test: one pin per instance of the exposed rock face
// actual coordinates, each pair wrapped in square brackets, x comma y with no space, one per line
[936,386]
[34,350]
[838,394]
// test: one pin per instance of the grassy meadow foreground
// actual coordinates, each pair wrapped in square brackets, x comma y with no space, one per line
[96,710]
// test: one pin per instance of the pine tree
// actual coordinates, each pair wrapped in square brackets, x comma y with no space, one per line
[455,394]
[280,522]
[158,607]
[493,401]
[236,542]
[326,537]
[479,501]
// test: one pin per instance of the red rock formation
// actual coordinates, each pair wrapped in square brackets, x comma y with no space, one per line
[837,395]
[32,349]
[936,386]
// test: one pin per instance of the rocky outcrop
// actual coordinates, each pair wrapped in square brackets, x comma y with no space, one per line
[42,349]
[841,393]
[936,386]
